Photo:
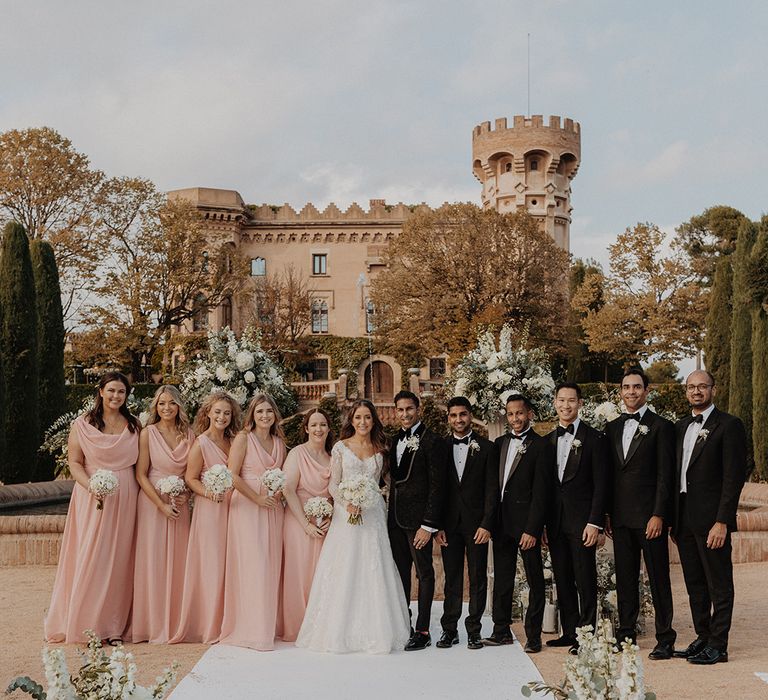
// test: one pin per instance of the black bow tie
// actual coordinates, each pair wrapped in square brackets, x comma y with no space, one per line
[403,435]
[562,431]
[518,437]
[631,416]
[699,418]
[461,441]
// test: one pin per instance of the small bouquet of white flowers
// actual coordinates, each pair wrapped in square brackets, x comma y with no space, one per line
[360,491]
[171,486]
[217,481]
[318,507]
[103,483]
[273,480]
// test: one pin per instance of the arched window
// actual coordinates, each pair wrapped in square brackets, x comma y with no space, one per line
[319,316]
[258,267]
[226,313]
[200,313]
[370,311]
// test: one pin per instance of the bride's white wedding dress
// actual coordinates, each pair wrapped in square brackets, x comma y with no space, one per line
[357,601]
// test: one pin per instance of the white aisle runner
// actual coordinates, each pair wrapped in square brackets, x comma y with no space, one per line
[495,673]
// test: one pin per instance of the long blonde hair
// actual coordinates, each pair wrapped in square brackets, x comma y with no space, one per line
[203,421]
[249,423]
[182,419]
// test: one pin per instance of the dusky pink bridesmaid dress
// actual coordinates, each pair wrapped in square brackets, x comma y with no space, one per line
[161,548]
[202,603]
[254,554]
[93,588]
[300,552]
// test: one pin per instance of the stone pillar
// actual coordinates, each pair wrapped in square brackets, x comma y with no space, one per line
[413,379]
[343,378]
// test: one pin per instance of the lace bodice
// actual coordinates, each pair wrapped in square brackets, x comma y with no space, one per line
[345,463]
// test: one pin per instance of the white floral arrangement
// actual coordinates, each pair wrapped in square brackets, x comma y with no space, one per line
[105,677]
[273,480]
[489,374]
[238,366]
[360,491]
[642,430]
[319,508]
[217,481]
[102,484]
[172,487]
[412,443]
[474,446]
[575,445]
[703,434]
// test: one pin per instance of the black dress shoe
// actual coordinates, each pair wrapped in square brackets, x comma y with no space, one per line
[448,640]
[418,641]
[532,647]
[474,642]
[692,649]
[707,656]
[574,650]
[564,641]
[662,651]
[498,639]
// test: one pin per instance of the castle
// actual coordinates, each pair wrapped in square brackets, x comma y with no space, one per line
[528,165]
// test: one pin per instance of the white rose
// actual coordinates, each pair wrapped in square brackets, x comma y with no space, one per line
[223,374]
[461,387]
[273,373]
[244,360]
[249,377]
[240,394]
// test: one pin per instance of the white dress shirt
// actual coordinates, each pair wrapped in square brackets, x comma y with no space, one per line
[512,450]
[630,428]
[564,443]
[689,442]
[460,454]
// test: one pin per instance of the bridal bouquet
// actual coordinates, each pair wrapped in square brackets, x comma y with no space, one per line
[217,481]
[360,491]
[103,483]
[171,486]
[318,507]
[273,480]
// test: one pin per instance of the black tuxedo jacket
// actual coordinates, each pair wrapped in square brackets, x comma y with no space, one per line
[526,495]
[417,486]
[644,482]
[471,502]
[580,499]
[716,472]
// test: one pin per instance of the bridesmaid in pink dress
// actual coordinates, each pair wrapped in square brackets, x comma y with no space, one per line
[94,582]
[307,473]
[255,531]
[202,606]
[162,527]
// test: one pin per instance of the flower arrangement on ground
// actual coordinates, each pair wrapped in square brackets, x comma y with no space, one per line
[238,366]
[360,491]
[106,677]
[489,374]
[598,671]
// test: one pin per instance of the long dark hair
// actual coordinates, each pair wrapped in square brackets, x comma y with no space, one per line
[330,438]
[96,415]
[378,436]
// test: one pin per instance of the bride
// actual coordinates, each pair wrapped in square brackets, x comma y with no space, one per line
[357,601]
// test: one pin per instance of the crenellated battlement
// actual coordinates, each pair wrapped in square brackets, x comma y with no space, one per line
[520,122]
[379,211]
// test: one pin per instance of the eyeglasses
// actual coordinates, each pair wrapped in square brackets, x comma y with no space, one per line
[699,387]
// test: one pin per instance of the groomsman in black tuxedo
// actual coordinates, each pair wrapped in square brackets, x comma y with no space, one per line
[524,474]
[576,518]
[712,468]
[642,451]
[417,463]
[471,493]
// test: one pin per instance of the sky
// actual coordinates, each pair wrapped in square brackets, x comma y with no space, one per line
[347,100]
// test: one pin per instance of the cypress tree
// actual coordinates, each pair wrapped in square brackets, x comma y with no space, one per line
[18,358]
[717,342]
[50,346]
[740,385]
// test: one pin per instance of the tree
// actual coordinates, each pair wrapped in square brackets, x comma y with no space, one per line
[651,302]
[50,346]
[18,358]
[717,340]
[740,384]
[757,280]
[160,272]
[662,372]
[459,268]
[50,189]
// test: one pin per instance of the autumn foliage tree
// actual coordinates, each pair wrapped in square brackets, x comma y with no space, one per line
[459,268]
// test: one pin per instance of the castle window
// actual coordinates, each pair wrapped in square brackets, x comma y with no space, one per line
[508,168]
[370,310]
[319,264]
[436,368]
[258,267]
[314,370]
[226,312]
[534,164]
[200,313]
[319,316]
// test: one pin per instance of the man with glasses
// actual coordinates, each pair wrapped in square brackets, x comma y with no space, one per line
[712,467]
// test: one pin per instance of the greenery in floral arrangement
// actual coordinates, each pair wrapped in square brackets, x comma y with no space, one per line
[238,366]
[598,672]
[105,677]
[489,374]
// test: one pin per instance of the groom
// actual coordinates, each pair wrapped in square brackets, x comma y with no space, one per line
[417,464]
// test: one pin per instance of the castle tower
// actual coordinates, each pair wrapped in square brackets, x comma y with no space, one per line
[529,165]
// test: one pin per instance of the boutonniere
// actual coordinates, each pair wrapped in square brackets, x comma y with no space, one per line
[474,446]
[642,430]
[703,434]
[523,448]
[575,445]
[412,443]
